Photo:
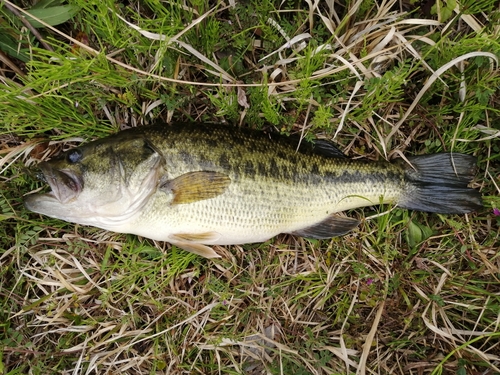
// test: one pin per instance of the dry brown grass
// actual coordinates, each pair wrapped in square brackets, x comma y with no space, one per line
[386,299]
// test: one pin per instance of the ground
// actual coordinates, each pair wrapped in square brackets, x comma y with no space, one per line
[405,293]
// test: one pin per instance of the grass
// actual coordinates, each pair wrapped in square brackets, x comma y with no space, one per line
[406,293]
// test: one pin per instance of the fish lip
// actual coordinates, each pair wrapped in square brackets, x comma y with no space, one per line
[66,185]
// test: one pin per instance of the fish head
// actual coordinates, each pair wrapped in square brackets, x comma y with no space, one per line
[102,183]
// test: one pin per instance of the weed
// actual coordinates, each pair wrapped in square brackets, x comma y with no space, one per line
[406,293]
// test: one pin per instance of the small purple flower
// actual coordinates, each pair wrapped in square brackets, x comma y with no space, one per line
[496,212]
[369,282]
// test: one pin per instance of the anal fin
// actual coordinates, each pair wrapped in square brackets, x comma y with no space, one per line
[332,226]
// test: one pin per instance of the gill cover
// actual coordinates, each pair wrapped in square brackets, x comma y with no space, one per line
[100,183]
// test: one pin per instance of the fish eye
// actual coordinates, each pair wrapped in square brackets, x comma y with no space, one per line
[74,156]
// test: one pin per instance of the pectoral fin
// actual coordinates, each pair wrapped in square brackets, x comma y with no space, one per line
[196,186]
[189,242]
[332,226]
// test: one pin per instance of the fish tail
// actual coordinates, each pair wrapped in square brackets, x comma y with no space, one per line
[438,183]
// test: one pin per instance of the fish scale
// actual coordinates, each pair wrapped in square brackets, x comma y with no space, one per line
[203,184]
[262,199]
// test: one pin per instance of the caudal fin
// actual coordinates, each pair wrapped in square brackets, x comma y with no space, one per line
[438,183]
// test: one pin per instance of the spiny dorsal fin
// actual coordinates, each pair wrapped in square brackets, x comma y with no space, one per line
[332,226]
[196,186]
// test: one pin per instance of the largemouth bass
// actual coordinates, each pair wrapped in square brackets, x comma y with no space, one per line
[195,185]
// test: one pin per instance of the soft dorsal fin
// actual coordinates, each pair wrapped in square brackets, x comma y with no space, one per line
[326,148]
[321,147]
[196,186]
[332,226]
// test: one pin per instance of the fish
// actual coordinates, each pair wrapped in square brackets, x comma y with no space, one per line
[195,185]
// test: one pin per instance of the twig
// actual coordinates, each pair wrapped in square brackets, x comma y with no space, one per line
[28,25]
[5,59]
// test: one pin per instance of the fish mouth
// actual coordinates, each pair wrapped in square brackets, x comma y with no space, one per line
[65,184]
